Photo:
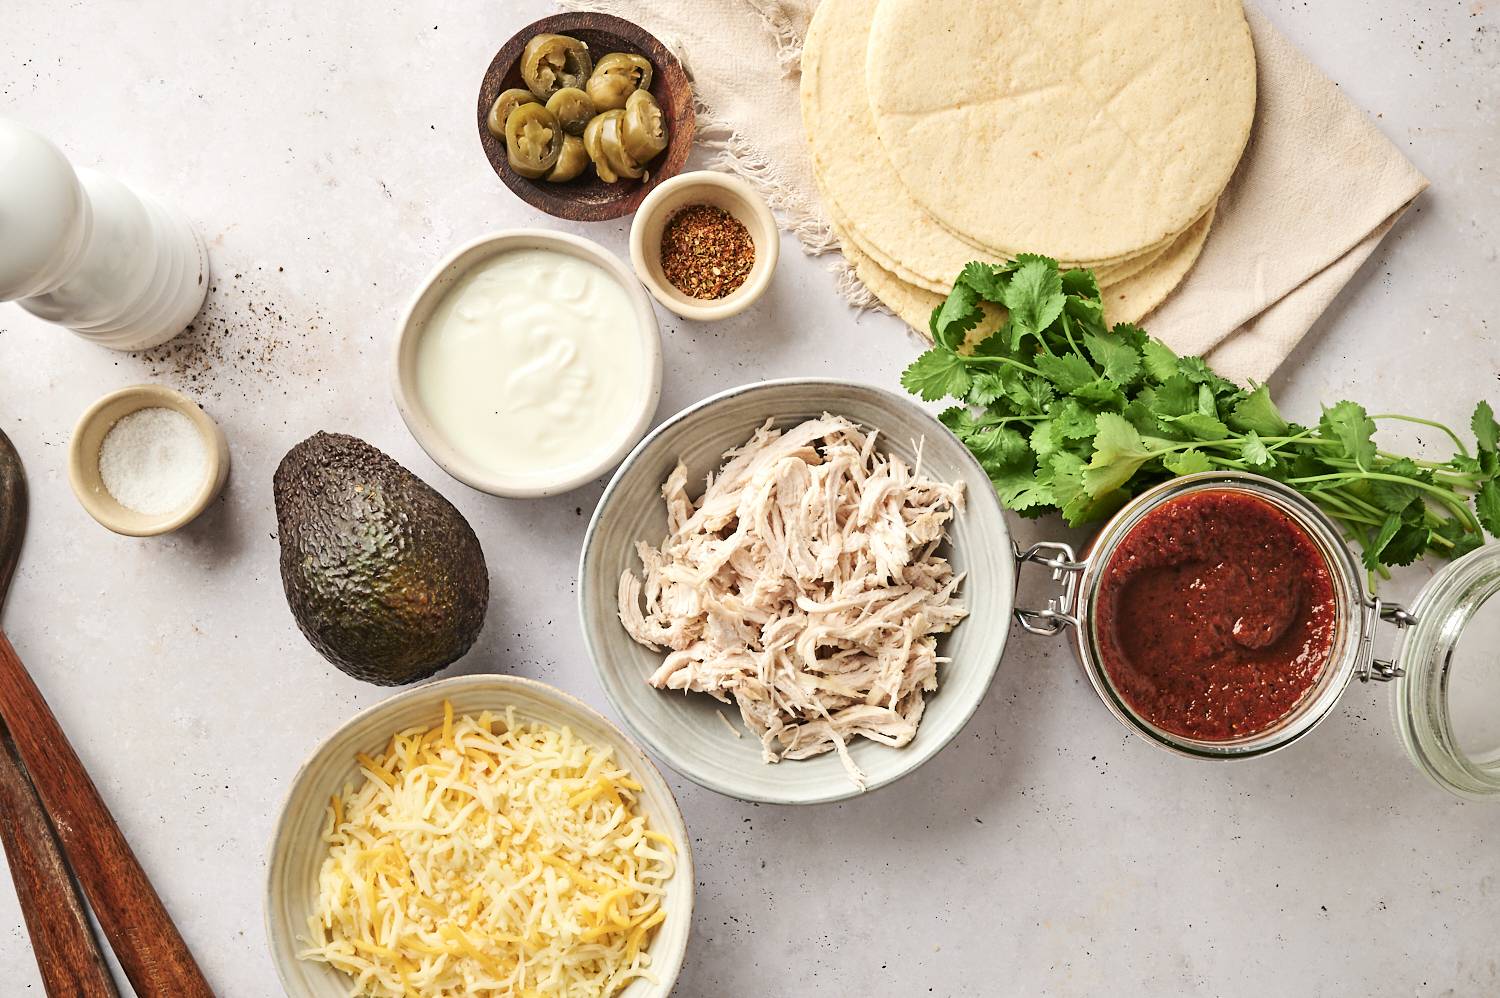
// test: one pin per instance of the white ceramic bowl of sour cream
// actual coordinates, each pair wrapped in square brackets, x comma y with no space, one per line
[528,363]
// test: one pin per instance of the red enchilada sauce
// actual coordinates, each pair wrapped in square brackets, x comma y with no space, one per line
[1215,615]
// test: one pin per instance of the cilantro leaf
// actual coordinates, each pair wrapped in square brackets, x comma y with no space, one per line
[1409,544]
[987,280]
[1073,421]
[1087,315]
[1196,370]
[1068,373]
[1030,495]
[1012,481]
[1176,396]
[1101,394]
[1487,505]
[1200,426]
[1121,361]
[1486,430]
[1027,392]
[1081,284]
[1347,423]
[1186,462]
[1458,534]
[1388,497]
[1393,497]
[1045,440]
[1084,508]
[1131,334]
[1372,549]
[1160,360]
[1254,453]
[959,419]
[1119,452]
[1034,295]
[1256,413]
[999,449]
[986,387]
[936,374]
[959,313]
[1466,465]
[997,344]
[1142,415]
[1066,476]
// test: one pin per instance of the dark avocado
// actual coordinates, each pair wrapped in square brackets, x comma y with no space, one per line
[384,576]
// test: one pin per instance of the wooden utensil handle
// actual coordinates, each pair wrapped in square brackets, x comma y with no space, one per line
[145,941]
[62,940]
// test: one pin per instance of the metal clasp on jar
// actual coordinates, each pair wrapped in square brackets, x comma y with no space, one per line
[1066,568]
[1382,670]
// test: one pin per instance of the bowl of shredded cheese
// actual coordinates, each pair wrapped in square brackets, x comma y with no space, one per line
[482,835]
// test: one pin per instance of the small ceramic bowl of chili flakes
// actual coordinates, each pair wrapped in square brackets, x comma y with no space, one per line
[705,245]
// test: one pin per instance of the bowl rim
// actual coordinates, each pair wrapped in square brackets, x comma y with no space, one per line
[150,396]
[448,456]
[553,199]
[767,246]
[677,761]
[496,683]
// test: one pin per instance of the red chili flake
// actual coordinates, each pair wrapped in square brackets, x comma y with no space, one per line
[706,252]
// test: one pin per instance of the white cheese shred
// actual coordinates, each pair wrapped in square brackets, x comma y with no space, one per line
[482,857]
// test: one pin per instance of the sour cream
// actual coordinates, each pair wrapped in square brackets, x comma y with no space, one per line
[534,366]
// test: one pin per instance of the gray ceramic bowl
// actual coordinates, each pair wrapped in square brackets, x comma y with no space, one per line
[682,728]
[297,850]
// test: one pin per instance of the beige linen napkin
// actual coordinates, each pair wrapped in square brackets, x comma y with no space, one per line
[1318,188]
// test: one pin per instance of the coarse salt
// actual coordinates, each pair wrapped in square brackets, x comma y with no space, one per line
[153,461]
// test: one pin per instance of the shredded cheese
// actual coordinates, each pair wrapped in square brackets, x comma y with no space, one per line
[489,858]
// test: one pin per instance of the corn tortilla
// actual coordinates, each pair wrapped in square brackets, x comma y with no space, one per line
[1086,130]
[858,181]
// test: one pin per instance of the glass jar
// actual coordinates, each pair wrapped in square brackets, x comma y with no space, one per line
[1424,670]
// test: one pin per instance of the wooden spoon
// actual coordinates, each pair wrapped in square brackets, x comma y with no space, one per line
[62,940]
[144,939]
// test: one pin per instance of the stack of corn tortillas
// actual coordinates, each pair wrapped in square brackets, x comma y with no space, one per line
[1100,134]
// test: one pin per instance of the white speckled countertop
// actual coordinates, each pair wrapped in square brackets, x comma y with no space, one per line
[328,153]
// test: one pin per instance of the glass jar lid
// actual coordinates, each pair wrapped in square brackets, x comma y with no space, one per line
[1447,703]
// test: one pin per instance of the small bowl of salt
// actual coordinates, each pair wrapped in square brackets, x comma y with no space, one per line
[146,460]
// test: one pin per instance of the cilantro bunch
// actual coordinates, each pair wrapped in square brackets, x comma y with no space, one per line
[1069,415]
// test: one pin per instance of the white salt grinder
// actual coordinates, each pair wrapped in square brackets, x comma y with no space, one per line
[83,250]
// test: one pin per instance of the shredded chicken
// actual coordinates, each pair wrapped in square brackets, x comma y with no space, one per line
[805,584]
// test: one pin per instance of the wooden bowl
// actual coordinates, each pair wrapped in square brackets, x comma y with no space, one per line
[587,198]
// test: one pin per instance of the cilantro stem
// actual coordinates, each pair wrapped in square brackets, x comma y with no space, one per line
[1433,537]
[1454,477]
[1356,502]
[1436,465]
[1304,438]
[1067,327]
[1348,508]
[1450,477]
[1348,518]
[1444,496]
[1273,443]
[1462,449]
[971,359]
